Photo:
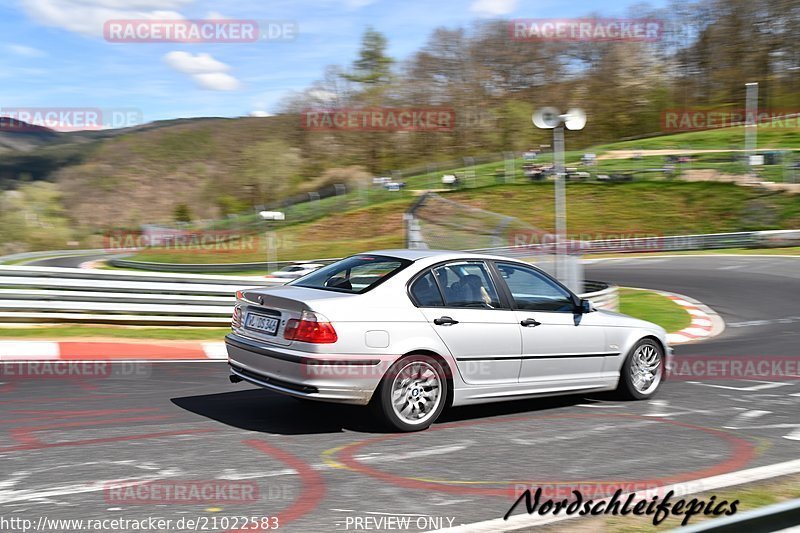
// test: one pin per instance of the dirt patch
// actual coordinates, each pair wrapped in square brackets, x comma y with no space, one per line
[355,225]
[627,154]
[699,174]
[705,174]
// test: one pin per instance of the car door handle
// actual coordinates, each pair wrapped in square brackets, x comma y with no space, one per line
[444,321]
[530,323]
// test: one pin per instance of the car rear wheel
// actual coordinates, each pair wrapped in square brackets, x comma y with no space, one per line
[642,371]
[413,392]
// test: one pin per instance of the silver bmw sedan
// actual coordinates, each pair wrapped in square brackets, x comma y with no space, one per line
[411,332]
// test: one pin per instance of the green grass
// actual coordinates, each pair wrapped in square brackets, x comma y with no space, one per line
[717,139]
[653,307]
[81,331]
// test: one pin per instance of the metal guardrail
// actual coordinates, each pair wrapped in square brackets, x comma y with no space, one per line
[65,295]
[775,517]
[602,295]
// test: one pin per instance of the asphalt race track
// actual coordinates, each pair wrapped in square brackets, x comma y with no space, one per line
[68,261]
[320,467]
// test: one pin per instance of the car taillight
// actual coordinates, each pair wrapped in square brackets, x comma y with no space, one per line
[236,320]
[312,327]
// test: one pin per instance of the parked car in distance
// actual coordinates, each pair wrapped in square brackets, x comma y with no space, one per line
[412,332]
[394,186]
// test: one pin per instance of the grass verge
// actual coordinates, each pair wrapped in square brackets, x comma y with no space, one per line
[117,332]
[653,307]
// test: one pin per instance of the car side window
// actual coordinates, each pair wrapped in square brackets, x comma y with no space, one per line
[533,291]
[467,284]
[425,292]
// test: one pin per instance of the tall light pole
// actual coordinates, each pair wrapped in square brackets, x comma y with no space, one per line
[272,249]
[751,125]
[552,118]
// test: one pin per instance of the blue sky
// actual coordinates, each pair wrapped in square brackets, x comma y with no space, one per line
[53,54]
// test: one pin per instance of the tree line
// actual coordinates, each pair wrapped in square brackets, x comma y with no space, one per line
[706,52]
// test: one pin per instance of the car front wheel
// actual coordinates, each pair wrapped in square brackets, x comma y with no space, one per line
[642,371]
[413,393]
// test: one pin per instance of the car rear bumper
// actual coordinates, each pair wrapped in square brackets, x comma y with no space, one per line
[332,378]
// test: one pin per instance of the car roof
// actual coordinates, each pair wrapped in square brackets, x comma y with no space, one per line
[417,254]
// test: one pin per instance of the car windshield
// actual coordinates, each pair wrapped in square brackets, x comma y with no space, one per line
[356,274]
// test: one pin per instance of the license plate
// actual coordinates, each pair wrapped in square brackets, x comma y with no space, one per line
[261,323]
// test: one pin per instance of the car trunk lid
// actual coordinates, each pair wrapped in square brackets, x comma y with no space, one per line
[271,308]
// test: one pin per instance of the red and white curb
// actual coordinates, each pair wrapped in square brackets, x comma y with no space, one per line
[706,323]
[111,351]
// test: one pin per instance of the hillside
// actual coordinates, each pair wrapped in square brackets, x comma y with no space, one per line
[211,167]
[214,166]
[594,211]
[16,135]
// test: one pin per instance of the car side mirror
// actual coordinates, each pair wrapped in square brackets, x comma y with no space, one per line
[585,306]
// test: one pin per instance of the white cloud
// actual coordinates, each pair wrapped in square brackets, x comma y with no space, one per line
[87,17]
[259,113]
[194,64]
[207,72]
[217,81]
[25,51]
[493,8]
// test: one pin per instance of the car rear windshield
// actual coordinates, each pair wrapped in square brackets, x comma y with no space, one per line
[356,274]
